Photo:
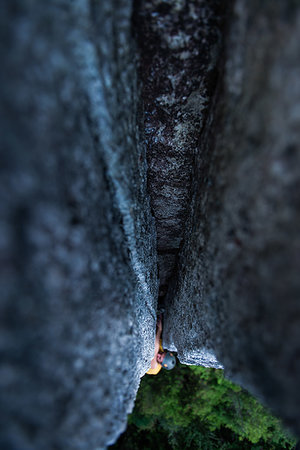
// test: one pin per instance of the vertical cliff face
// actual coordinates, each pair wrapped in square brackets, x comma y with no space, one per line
[179,48]
[78,248]
[195,104]
[236,292]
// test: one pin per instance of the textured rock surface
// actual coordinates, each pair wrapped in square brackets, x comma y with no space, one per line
[78,249]
[179,45]
[237,289]
[78,264]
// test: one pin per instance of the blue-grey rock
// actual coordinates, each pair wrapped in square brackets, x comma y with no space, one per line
[237,287]
[78,247]
[179,44]
[79,253]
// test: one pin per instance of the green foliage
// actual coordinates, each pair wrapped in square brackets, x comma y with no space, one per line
[225,404]
[197,408]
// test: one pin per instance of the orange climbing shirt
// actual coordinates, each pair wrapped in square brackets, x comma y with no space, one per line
[159,366]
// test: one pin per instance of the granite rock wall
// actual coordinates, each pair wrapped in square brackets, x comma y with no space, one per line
[235,298]
[78,246]
[112,111]
[179,45]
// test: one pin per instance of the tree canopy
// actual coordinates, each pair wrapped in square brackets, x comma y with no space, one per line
[197,408]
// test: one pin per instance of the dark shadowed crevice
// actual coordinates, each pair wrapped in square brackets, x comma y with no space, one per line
[179,49]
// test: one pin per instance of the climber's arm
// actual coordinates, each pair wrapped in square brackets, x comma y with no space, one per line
[157,339]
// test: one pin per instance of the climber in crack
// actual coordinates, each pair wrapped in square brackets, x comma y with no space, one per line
[161,358]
